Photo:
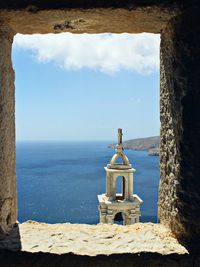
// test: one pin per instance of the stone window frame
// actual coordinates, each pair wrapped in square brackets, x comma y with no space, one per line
[179,94]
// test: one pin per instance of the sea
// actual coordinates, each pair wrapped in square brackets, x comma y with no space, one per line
[58,182]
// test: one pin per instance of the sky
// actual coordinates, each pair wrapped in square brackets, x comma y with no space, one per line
[82,87]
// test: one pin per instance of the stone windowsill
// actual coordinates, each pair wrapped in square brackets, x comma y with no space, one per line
[92,240]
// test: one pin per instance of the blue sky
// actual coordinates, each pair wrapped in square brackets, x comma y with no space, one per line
[85,87]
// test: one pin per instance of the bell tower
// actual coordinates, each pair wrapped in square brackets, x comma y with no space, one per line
[124,204]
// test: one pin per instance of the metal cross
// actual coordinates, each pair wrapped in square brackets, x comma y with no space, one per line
[120,136]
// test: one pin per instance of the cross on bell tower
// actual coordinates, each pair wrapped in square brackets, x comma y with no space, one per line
[127,204]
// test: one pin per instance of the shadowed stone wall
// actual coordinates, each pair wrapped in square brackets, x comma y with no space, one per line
[179,196]
[23,259]
[8,206]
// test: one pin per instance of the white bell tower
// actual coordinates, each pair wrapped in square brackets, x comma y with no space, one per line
[126,204]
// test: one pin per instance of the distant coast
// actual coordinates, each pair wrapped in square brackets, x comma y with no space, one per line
[150,144]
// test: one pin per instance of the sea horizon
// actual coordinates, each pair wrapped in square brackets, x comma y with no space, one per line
[67,141]
[58,182]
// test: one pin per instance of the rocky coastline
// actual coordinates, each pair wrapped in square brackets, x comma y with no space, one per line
[149,144]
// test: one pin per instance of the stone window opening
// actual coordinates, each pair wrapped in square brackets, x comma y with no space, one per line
[179,156]
[124,193]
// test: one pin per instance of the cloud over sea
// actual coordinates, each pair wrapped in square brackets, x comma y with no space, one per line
[108,53]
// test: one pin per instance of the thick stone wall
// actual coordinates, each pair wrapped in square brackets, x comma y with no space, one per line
[8,206]
[179,196]
[24,259]
[115,20]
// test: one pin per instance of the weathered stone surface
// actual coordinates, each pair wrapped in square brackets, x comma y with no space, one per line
[93,245]
[147,19]
[92,240]
[8,207]
[179,195]
[33,16]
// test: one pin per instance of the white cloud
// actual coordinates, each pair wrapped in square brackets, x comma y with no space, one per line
[105,52]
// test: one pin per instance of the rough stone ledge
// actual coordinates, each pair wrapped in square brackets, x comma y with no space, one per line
[99,20]
[92,240]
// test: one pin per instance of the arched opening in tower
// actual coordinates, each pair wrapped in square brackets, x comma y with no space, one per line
[120,188]
[119,218]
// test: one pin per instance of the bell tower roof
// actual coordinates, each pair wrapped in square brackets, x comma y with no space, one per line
[119,154]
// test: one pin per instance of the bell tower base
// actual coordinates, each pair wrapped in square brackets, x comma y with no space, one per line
[130,209]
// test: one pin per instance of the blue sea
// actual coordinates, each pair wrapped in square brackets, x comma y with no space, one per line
[60,181]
